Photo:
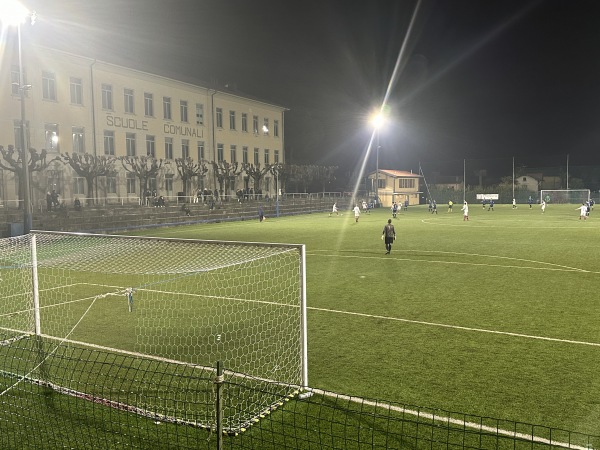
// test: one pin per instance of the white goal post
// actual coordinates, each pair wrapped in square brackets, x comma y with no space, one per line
[159,313]
[575,196]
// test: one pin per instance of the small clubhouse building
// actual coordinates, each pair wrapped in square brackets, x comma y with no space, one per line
[396,186]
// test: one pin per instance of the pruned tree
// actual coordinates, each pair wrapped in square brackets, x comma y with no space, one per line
[256,172]
[281,172]
[188,169]
[224,171]
[90,167]
[12,161]
[143,167]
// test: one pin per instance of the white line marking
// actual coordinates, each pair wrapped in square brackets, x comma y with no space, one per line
[556,267]
[456,327]
[448,420]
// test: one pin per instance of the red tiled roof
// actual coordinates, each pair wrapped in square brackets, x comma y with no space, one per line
[399,173]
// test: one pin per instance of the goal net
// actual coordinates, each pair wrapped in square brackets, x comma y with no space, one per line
[138,324]
[575,196]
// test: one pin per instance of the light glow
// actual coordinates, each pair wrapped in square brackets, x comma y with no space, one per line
[13,13]
[378,120]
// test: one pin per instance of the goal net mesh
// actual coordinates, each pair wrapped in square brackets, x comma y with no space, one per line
[574,196]
[139,323]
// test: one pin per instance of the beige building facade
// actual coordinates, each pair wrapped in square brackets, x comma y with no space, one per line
[74,104]
[396,186]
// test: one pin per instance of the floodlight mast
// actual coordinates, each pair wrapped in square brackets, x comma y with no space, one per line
[12,12]
[377,120]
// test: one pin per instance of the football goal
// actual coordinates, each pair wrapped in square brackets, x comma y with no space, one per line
[575,196]
[138,324]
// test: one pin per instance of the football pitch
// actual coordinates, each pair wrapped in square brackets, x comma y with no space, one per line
[495,317]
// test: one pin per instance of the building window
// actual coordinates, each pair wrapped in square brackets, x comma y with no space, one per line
[276,128]
[51,138]
[405,183]
[276,156]
[129,101]
[220,151]
[130,144]
[168,148]
[167,108]
[255,124]
[152,184]
[48,86]
[200,151]
[150,146]
[245,122]
[130,180]
[109,142]
[199,114]
[245,155]
[267,184]
[185,148]
[219,118]
[169,184]
[55,180]
[256,158]
[183,110]
[78,140]
[266,157]
[107,97]
[265,128]
[15,80]
[78,186]
[232,152]
[232,120]
[111,184]
[148,104]
[76,88]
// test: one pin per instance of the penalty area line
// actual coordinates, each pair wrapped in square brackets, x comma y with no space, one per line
[456,327]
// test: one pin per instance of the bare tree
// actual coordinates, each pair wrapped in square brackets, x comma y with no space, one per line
[188,169]
[11,161]
[256,173]
[224,171]
[144,168]
[90,167]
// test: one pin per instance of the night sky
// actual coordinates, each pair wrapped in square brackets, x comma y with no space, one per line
[479,79]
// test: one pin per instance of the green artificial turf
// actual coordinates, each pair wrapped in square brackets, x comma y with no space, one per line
[495,317]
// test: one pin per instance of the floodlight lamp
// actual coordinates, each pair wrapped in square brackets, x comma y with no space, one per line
[377,120]
[12,12]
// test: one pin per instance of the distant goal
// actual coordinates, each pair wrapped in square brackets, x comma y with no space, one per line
[575,196]
[138,324]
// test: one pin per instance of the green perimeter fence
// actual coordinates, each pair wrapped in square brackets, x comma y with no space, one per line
[76,396]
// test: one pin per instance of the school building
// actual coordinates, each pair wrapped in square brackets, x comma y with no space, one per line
[74,104]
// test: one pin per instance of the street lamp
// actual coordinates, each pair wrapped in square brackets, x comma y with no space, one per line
[14,13]
[377,121]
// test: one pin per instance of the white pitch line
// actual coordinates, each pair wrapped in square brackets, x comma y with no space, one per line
[456,327]
[375,316]
[557,268]
[436,419]
[485,224]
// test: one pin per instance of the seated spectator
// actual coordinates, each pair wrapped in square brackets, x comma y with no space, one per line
[77,204]
[186,209]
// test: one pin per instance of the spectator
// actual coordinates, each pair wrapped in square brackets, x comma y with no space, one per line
[55,200]
[77,204]
[48,201]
